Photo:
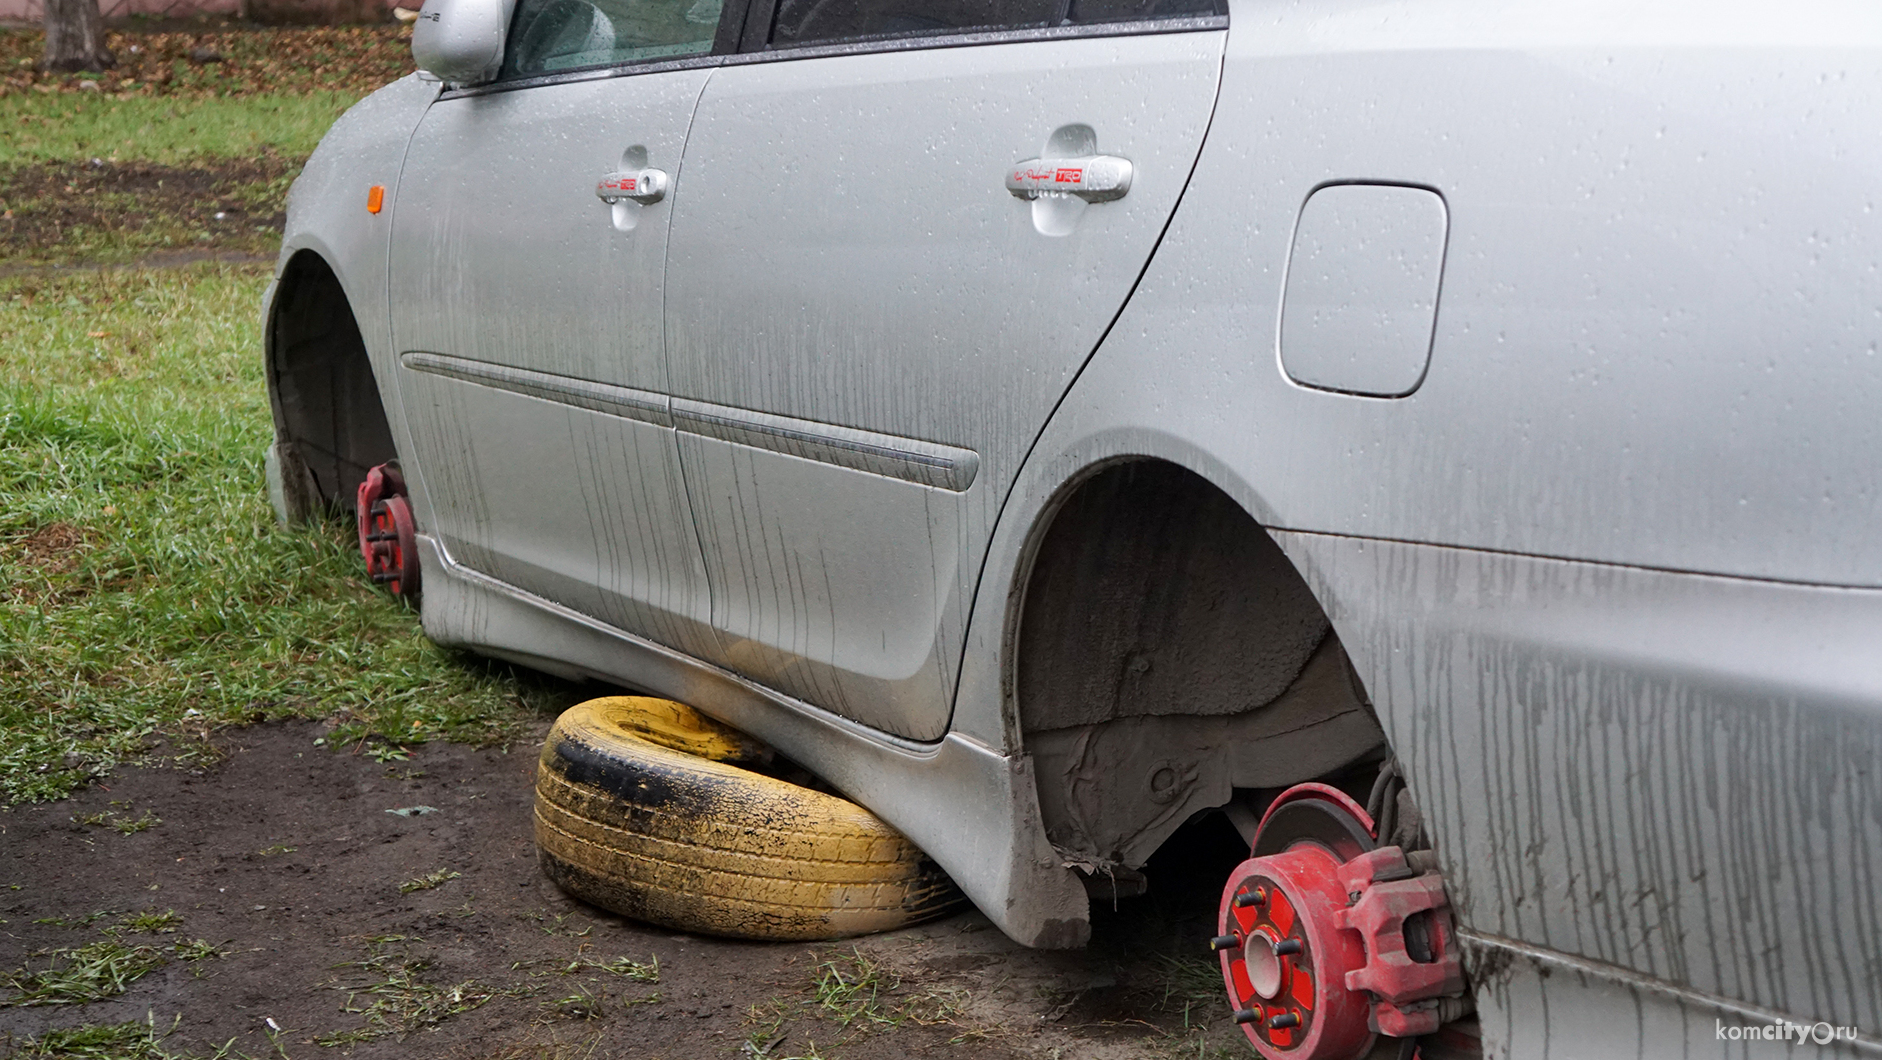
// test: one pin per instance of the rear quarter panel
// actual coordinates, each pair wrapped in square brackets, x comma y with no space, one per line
[1661,309]
[1652,764]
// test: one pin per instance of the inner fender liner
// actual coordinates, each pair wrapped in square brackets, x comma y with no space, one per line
[628,820]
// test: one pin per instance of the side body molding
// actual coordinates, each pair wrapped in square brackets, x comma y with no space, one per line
[947,467]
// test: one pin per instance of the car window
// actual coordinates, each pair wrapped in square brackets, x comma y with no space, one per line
[800,22]
[551,35]
[1089,11]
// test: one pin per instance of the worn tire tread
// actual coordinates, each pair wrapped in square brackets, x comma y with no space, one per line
[705,846]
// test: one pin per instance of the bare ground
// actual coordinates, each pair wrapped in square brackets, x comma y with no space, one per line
[284,856]
[102,210]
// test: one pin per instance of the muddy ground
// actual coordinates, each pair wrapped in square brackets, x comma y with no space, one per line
[284,856]
[104,209]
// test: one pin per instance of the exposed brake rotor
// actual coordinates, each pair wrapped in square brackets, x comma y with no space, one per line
[388,535]
[1329,940]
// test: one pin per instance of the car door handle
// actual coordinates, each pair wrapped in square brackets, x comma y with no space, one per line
[644,186]
[1093,178]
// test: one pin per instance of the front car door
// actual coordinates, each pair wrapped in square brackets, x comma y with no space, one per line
[885,271]
[527,268]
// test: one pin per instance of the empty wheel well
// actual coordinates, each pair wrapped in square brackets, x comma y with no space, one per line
[327,410]
[1166,653]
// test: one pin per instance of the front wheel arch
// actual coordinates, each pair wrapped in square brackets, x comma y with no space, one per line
[330,422]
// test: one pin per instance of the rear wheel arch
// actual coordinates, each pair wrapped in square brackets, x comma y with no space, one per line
[1163,652]
[330,419]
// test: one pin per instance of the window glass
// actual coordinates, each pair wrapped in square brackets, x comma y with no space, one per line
[1088,11]
[817,21]
[551,35]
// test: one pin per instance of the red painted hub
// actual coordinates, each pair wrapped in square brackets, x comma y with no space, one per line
[1314,939]
[1287,977]
[1287,980]
[388,537]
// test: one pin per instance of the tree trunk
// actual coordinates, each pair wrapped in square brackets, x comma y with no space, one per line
[75,37]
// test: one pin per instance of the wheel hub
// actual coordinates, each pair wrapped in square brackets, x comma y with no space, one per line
[388,536]
[1313,940]
[1266,972]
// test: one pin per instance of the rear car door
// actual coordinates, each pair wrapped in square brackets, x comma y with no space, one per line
[527,269]
[904,226]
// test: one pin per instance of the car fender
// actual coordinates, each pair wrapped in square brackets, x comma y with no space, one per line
[330,214]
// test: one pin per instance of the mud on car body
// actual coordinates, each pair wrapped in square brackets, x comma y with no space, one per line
[1468,407]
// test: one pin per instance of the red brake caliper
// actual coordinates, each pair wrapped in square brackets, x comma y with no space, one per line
[1314,943]
[388,538]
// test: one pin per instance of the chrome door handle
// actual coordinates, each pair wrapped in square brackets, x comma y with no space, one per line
[644,186]
[1093,178]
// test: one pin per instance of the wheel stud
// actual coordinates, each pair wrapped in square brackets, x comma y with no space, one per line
[1283,1021]
[1225,942]
[1247,1015]
[1287,947]
[1258,896]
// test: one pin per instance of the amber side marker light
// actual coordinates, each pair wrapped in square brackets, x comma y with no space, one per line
[375,198]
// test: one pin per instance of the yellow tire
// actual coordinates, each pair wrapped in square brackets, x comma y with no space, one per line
[640,810]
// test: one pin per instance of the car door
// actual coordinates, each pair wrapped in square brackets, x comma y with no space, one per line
[905,226]
[527,274]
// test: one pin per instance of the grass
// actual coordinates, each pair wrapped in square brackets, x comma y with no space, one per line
[248,61]
[105,1041]
[82,920]
[389,988]
[121,825]
[95,971]
[582,1049]
[631,970]
[854,993]
[79,975]
[163,129]
[166,153]
[428,881]
[199,950]
[111,1041]
[148,593]
[80,213]
[134,825]
[151,922]
[583,1004]
[852,988]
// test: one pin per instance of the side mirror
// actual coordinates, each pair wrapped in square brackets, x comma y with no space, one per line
[461,41]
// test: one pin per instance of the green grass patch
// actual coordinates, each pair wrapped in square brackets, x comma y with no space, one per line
[78,975]
[428,881]
[146,591]
[113,1041]
[150,922]
[390,988]
[851,995]
[98,1041]
[169,130]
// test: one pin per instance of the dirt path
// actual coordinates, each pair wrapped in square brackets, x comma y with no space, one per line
[163,259]
[98,211]
[285,857]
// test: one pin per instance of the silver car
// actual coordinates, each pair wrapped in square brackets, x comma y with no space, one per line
[1449,428]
